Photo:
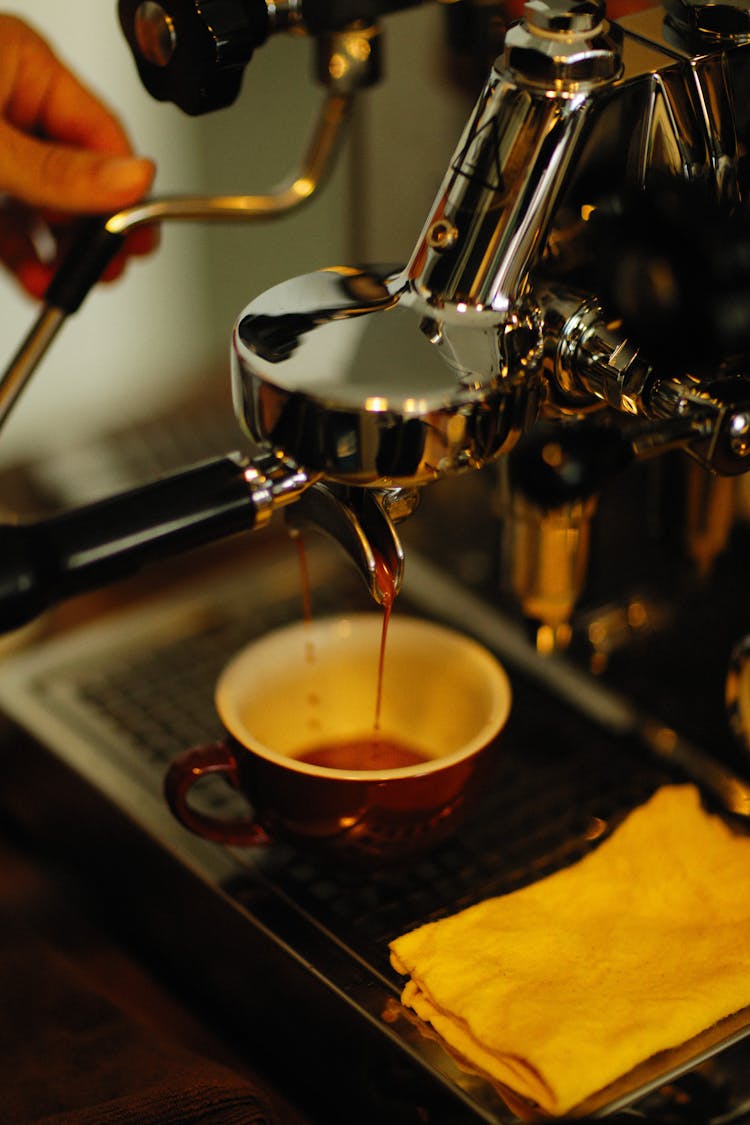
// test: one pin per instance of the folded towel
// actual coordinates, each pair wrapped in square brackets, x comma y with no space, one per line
[560,988]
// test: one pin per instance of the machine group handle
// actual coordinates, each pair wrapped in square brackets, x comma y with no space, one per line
[87,548]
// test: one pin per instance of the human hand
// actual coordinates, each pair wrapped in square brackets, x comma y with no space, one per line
[63,154]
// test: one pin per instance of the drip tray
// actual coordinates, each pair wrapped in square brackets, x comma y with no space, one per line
[291,951]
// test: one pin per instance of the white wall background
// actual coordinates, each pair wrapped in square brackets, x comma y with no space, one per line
[140,343]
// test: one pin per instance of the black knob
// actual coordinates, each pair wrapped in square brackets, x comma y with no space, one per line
[193,52]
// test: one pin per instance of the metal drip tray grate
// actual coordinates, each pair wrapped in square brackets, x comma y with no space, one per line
[115,702]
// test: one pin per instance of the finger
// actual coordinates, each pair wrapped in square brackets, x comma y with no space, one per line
[33,251]
[50,175]
[39,94]
[34,277]
[15,242]
[138,244]
[18,252]
[143,241]
[115,268]
[70,113]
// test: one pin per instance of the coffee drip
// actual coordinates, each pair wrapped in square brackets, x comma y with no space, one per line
[376,752]
[386,583]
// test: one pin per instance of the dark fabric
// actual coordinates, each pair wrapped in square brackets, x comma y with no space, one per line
[68,1056]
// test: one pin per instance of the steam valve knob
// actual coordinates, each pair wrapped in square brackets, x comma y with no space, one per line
[193,52]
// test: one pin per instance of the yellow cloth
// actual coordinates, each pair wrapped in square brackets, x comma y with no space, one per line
[563,986]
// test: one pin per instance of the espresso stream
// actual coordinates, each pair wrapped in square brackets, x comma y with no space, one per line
[376,752]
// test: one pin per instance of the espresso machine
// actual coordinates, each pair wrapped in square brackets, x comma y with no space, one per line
[563,359]
[548,306]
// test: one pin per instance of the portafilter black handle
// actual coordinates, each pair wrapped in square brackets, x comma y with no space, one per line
[48,561]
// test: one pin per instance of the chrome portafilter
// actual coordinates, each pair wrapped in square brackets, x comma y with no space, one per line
[352,376]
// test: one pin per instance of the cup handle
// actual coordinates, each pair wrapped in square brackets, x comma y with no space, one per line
[182,774]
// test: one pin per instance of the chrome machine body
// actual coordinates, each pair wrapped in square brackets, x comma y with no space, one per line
[520,315]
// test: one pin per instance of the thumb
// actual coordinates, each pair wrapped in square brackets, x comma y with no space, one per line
[43,174]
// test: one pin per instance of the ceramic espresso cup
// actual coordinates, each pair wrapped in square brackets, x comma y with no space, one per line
[298,707]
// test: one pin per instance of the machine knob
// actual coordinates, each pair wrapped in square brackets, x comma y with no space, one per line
[193,52]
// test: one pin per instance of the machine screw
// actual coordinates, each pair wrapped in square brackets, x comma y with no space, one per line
[442,234]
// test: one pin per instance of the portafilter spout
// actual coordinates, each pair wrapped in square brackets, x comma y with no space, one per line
[362,522]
